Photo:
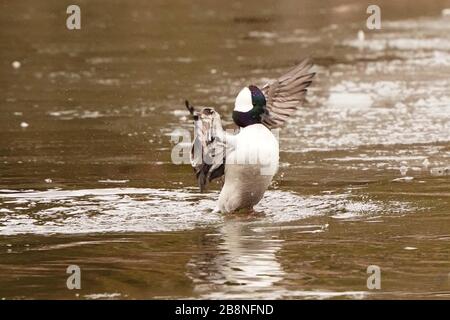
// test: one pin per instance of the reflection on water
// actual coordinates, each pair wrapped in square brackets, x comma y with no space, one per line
[246,265]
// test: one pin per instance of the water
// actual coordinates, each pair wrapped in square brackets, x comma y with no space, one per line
[86,176]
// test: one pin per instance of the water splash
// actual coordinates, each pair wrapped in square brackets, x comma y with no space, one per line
[153,210]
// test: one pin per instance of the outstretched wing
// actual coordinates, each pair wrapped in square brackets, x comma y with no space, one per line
[207,153]
[286,94]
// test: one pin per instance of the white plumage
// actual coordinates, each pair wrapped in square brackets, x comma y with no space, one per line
[243,102]
[249,168]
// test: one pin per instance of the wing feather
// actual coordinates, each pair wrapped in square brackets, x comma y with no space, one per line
[285,94]
[207,153]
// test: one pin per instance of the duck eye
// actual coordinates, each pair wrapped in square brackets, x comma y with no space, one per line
[208,111]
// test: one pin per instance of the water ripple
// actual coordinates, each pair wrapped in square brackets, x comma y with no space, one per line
[155,210]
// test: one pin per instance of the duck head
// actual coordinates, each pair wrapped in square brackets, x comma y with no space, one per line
[248,106]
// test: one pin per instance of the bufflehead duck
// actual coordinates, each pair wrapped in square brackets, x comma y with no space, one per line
[249,159]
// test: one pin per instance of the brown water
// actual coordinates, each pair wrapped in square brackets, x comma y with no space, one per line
[364,176]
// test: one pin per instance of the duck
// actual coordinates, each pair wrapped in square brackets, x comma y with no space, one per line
[247,160]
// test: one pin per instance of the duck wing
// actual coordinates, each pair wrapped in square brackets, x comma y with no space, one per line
[285,94]
[208,152]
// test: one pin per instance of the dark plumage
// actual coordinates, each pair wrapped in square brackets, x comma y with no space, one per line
[207,153]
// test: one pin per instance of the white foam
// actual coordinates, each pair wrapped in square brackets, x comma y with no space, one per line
[103,296]
[152,210]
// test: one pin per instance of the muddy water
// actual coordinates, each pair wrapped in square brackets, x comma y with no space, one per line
[86,176]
